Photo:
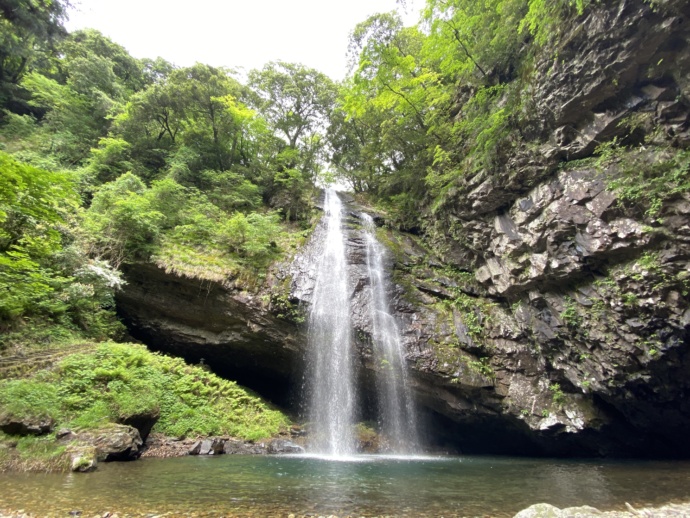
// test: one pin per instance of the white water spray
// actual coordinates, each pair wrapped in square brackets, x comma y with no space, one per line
[332,398]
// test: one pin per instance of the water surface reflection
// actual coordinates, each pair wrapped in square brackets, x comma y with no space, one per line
[364,486]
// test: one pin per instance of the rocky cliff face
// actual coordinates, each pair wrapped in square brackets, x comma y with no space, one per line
[580,309]
[232,330]
[553,316]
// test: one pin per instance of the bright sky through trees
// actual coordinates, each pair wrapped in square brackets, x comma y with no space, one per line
[234,33]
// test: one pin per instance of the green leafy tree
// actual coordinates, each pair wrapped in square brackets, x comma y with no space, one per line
[44,275]
[216,121]
[356,148]
[68,129]
[29,29]
[296,101]
[391,114]
[252,236]
[543,17]
[151,122]
[475,42]
[111,159]
[93,62]
[229,191]
[76,105]
[33,205]
[189,121]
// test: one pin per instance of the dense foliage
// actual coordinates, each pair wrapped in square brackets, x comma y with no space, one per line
[110,159]
[427,105]
[213,178]
[44,274]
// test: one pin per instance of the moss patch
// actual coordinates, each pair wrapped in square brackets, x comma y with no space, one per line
[119,381]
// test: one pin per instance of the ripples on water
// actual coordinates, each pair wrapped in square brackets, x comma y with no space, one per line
[359,485]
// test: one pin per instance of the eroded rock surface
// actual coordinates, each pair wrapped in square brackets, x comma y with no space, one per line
[115,442]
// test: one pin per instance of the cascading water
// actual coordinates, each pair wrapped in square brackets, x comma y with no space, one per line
[332,399]
[396,405]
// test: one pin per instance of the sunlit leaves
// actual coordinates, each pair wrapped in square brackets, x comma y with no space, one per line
[439,101]
[95,61]
[121,223]
[32,202]
[117,381]
[543,17]
[195,118]
[390,110]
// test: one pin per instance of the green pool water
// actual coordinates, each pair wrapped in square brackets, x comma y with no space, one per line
[265,486]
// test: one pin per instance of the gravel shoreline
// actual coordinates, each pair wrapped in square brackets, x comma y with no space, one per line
[676,510]
[549,511]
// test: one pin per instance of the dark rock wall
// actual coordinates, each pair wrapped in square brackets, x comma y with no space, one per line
[234,332]
[581,297]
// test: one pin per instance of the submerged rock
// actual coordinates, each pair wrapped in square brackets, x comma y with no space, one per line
[158,445]
[84,458]
[280,446]
[236,447]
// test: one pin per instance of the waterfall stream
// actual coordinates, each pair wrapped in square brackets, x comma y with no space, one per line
[332,398]
[397,416]
[331,373]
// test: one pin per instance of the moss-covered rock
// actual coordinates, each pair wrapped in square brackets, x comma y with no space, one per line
[109,397]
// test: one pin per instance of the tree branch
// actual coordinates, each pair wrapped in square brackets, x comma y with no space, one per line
[456,33]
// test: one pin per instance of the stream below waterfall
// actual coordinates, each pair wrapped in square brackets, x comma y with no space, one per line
[265,486]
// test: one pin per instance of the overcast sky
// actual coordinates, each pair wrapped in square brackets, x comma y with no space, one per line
[234,33]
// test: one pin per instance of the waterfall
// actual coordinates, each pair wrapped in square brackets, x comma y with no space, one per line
[331,373]
[397,414]
[332,393]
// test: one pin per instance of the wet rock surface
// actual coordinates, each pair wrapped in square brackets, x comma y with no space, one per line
[278,446]
[161,446]
[207,447]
